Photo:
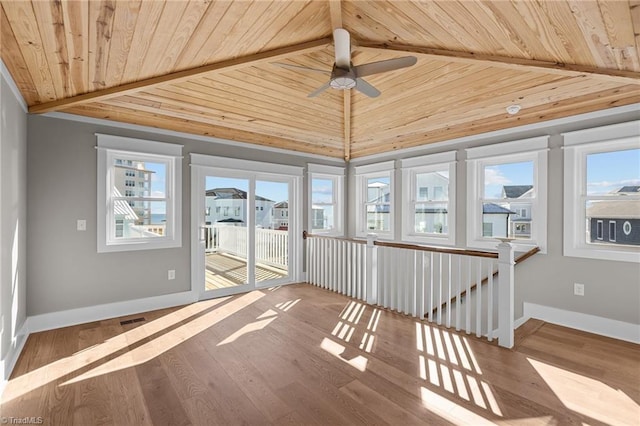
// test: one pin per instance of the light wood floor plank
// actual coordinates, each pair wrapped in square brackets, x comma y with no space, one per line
[302,355]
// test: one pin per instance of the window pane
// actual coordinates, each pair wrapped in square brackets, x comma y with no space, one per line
[142,178]
[508,180]
[322,217]
[433,186]
[378,217]
[616,172]
[431,218]
[322,191]
[615,221]
[140,219]
[506,220]
[378,190]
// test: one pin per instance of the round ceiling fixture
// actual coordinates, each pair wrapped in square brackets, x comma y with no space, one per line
[513,109]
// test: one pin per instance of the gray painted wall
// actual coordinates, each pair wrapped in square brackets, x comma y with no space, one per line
[13,205]
[612,289]
[65,271]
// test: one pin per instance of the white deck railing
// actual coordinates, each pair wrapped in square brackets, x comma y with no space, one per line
[272,246]
[451,287]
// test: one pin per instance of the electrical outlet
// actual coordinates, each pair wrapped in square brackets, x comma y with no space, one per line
[578,289]
[171,274]
[81,225]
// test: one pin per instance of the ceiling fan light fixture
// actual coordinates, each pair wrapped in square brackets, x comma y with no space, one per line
[343,83]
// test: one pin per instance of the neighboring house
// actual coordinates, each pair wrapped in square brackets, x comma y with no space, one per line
[378,206]
[229,205]
[615,221]
[125,217]
[520,223]
[495,220]
[281,216]
[318,218]
[432,217]
[132,179]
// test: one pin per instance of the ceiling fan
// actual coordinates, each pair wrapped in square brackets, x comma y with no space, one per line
[345,75]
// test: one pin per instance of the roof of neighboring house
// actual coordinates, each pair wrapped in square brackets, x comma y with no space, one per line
[281,205]
[629,188]
[516,191]
[231,193]
[229,220]
[122,207]
[491,208]
[614,209]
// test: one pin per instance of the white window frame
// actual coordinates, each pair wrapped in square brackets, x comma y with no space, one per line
[109,147]
[577,146]
[336,175]
[410,169]
[363,174]
[524,150]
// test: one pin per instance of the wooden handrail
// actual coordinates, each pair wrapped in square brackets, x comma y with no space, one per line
[462,252]
[521,258]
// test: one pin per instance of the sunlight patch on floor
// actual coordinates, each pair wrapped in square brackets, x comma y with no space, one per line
[451,411]
[336,349]
[171,339]
[446,361]
[39,377]
[246,329]
[574,389]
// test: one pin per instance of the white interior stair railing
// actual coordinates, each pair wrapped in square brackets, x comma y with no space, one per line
[463,289]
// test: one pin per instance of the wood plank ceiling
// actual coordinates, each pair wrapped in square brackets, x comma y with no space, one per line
[207,67]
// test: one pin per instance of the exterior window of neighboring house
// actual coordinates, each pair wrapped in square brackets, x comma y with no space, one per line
[226,211]
[326,200]
[602,192]
[374,200]
[218,209]
[428,198]
[237,211]
[600,230]
[138,220]
[507,194]
[612,231]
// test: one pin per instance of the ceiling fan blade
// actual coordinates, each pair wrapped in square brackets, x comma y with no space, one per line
[319,90]
[384,66]
[300,67]
[342,46]
[364,87]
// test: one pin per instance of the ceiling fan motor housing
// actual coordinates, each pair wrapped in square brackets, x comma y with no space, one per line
[343,78]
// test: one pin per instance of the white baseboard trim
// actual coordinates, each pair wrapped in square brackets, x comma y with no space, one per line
[585,322]
[517,323]
[9,362]
[84,315]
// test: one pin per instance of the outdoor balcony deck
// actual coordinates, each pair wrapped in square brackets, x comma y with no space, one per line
[225,270]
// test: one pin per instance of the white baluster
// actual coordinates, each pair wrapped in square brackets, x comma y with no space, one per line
[490,301]
[467,312]
[458,293]
[448,323]
[479,299]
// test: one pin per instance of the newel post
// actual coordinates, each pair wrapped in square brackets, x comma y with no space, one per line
[371,266]
[506,296]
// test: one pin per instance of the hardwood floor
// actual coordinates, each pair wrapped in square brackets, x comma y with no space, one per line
[302,355]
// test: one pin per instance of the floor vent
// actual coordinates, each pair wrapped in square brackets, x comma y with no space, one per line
[131,321]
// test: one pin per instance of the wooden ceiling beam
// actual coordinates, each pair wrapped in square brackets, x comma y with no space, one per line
[335,10]
[549,67]
[179,76]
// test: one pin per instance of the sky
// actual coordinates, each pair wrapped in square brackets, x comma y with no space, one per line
[495,177]
[609,171]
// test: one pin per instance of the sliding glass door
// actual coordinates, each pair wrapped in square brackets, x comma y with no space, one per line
[243,230]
